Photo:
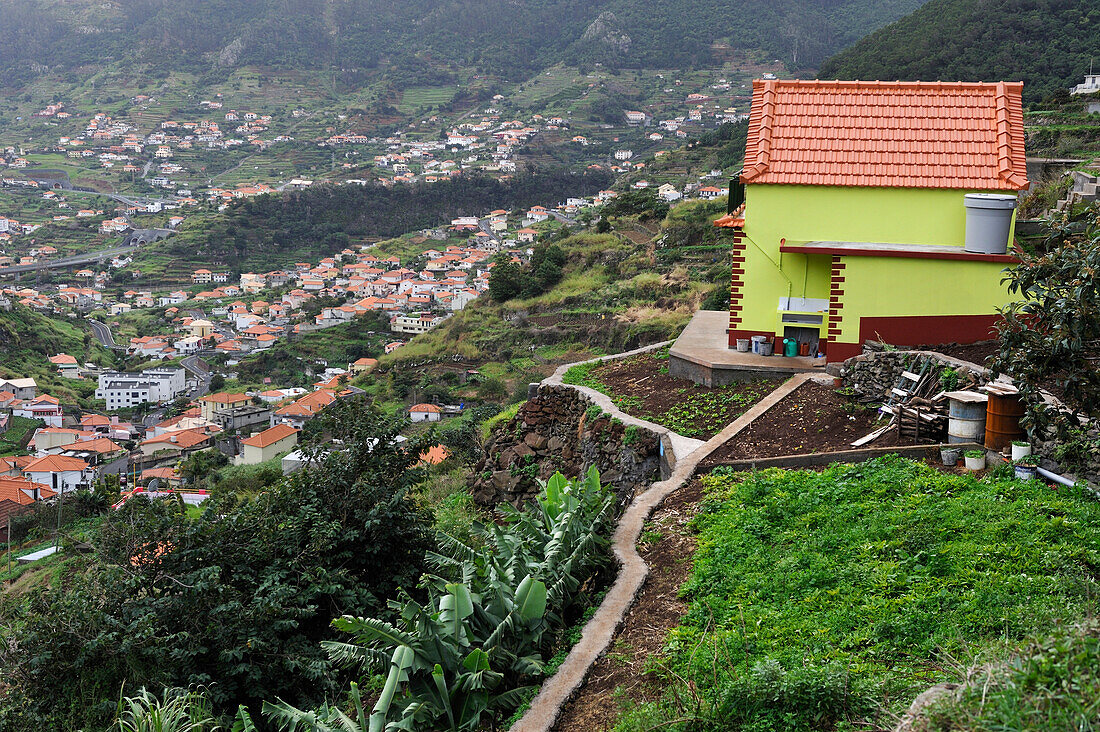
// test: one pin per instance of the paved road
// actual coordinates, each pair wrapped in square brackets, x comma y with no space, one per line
[198,367]
[102,333]
[66,262]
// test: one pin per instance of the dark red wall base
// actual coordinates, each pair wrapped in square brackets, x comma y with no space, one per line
[918,330]
[902,331]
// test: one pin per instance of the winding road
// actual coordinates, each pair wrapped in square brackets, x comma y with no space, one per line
[102,333]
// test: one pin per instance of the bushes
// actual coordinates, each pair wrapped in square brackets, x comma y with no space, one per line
[461,659]
[237,599]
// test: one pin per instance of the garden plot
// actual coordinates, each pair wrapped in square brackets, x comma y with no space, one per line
[641,387]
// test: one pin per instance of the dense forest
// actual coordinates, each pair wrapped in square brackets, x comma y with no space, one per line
[274,230]
[416,38]
[1047,44]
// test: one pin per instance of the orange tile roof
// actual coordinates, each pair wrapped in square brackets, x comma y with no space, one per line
[270,436]
[55,464]
[897,134]
[225,398]
[12,489]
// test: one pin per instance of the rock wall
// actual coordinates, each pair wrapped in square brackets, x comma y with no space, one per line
[558,429]
[873,374]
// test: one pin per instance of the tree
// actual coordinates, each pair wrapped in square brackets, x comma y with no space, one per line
[1050,336]
[505,279]
[237,599]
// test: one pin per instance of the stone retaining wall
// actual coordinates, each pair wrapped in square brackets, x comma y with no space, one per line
[559,428]
[874,374]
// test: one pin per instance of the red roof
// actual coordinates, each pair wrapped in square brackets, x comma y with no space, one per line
[270,436]
[897,134]
[55,464]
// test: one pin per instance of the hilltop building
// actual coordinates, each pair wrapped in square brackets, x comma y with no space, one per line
[854,221]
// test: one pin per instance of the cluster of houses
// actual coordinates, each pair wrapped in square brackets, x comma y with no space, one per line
[72,452]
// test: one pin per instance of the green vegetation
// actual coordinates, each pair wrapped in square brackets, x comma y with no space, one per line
[696,413]
[1054,684]
[999,40]
[245,590]
[1046,334]
[28,338]
[14,439]
[460,660]
[277,230]
[296,361]
[418,45]
[828,600]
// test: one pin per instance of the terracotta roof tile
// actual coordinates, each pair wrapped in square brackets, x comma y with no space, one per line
[895,134]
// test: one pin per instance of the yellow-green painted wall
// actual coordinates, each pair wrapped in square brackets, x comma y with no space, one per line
[846,213]
[905,286]
[873,288]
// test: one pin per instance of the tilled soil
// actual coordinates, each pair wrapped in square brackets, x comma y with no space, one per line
[640,389]
[642,635]
[812,418]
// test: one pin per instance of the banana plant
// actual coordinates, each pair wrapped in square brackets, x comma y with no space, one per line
[465,652]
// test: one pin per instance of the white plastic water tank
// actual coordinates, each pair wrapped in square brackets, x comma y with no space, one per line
[988,222]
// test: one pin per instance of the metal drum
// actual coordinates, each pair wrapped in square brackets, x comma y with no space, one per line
[1002,421]
[966,417]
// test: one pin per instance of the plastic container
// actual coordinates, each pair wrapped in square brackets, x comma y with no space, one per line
[743,345]
[1019,451]
[988,222]
[790,347]
[765,348]
[756,341]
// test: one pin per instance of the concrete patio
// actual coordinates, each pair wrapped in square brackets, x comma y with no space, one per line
[702,354]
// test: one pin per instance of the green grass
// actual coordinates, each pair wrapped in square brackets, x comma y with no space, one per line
[829,600]
[1053,685]
[416,97]
[17,431]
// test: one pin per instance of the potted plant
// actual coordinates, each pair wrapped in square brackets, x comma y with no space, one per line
[1027,467]
[1020,449]
[949,456]
[975,459]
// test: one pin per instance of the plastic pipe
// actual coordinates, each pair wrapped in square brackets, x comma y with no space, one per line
[1056,478]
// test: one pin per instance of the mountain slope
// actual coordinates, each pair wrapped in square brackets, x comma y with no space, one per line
[1047,44]
[509,38]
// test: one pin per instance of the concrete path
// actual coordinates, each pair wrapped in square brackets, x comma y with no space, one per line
[681,446]
[598,633]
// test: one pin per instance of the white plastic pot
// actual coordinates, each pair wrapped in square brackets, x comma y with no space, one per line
[743,345]
[975,463]
[1020,452]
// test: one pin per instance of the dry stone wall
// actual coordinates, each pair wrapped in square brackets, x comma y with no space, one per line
[556,429]
[875,373]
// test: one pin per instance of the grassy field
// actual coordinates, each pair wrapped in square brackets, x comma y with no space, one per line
[18,428]
[829,600]
[425,97]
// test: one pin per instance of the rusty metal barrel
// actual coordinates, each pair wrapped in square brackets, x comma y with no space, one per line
[1002,420]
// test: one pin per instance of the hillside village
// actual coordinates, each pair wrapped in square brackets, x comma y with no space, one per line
[790,427]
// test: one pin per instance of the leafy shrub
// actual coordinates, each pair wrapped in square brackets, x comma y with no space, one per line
[462,658]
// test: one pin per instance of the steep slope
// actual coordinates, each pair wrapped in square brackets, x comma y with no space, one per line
[419,38]
[1047,44]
